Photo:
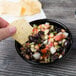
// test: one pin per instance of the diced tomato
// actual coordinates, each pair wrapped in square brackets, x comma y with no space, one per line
[48,39]
[36,47]
[63,36]
[27,44]
[40,26]
[44,51]
[35,30]
[49,36]
[42,29]
[44,55]
[39,45]
[59,37]
[47,46]
[51,44]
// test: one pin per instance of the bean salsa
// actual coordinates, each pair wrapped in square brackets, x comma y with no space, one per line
[45,44]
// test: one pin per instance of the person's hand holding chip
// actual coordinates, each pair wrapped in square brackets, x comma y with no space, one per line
[5,30]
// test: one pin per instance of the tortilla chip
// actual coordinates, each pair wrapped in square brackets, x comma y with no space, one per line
[10,8]
[31,6]
[21,8]
[24,29]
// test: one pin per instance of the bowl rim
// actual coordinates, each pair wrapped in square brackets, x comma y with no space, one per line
[49,20]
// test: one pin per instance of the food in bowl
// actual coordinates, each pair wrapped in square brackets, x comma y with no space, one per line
[46,43]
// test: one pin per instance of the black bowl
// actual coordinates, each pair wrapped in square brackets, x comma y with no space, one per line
[52,22]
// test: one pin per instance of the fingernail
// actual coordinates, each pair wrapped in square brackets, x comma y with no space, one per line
[12,29]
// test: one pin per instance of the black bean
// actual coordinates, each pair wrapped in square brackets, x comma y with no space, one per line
[28,51]
[54,57]
[50,32]
[66,43]
[40,33]
[31,38]
[36,36]
[32,52]
[38,41]
[35,41]
[55,27]
[60,50]
[31,55]
[58,30]
[39,51]
[60,44]
[38,61]
[27,41]
[42,47]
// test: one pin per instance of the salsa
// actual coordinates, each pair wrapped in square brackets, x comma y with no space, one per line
[46,43]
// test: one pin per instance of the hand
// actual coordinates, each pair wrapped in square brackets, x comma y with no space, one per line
[5,30]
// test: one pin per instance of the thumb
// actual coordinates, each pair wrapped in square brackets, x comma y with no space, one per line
[7,32]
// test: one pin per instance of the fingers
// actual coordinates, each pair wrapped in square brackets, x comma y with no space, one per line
[7,32]
[3,23]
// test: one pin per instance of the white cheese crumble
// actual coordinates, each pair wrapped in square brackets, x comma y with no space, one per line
[36,55]
[52,50]
[60,56]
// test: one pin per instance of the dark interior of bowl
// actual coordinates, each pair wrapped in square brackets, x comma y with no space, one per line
[42,21]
